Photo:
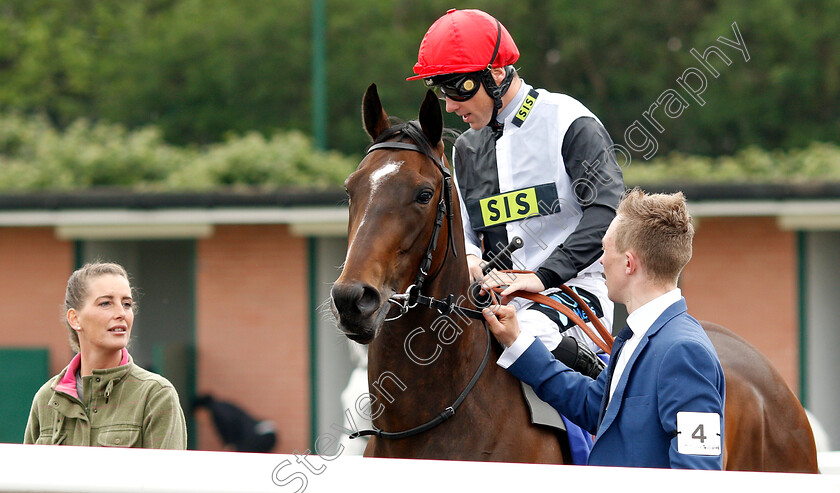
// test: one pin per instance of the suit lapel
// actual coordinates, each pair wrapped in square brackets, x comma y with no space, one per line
[609,411]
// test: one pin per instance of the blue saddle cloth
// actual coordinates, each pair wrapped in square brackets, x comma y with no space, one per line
[580,442]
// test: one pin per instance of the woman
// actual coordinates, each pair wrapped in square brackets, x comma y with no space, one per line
[102,398]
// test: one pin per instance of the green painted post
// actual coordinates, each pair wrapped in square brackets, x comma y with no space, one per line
[802,268]
[312,249]
[319,75]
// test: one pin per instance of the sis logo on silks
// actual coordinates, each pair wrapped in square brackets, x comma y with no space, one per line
[698,433]
[540,200]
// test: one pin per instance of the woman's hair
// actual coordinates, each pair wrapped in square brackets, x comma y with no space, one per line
[77,291]
[657,227]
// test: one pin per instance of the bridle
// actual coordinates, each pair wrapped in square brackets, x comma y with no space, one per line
[412,297]
[444,207]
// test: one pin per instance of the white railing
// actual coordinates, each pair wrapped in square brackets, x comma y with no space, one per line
[829,462]
[30,468]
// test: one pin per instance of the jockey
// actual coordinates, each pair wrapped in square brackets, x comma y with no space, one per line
[533,164]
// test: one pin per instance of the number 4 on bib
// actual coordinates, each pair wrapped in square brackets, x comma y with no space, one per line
[698,433]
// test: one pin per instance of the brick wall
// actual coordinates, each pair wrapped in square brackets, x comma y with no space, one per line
[743,275]
[35,267]
[252,319]
[252,328]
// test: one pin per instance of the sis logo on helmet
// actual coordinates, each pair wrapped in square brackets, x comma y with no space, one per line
[464,41]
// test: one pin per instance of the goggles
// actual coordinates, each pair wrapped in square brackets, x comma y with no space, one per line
[457,87]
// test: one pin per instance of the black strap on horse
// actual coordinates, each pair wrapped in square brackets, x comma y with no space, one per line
[440,418]
[444,205]
[444,307]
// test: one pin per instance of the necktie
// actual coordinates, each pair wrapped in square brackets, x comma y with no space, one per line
[618,343]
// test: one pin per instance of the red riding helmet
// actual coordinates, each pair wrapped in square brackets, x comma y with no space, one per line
[464,41]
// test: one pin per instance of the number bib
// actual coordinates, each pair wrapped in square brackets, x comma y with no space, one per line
[698,433]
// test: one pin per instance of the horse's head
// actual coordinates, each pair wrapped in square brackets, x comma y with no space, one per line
[395,195]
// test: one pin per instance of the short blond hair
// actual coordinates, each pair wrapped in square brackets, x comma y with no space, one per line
[77,291]
[657,228]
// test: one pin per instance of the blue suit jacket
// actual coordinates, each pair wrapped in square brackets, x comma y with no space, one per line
[674,368]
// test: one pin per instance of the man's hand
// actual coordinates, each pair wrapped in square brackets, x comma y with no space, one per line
[514,282]
[503,323]
[474,265]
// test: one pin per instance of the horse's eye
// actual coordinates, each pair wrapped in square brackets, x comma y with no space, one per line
[425,196]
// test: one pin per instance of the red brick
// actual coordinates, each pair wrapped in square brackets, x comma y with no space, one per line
[252,328]
[743,275]
[35,267]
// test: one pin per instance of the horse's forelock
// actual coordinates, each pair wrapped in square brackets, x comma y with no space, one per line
[410,130]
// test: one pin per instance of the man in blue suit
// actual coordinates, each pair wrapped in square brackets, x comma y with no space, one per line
[660,401]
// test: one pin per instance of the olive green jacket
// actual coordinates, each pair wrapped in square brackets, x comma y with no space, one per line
[125,406]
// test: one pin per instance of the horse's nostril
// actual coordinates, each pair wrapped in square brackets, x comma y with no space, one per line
[369,301]
[356,299]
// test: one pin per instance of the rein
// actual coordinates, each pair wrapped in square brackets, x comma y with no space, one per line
[412,298]
[605,344]
[440,418]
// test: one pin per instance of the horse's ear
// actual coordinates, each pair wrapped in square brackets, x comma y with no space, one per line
[373,116]
[431,118]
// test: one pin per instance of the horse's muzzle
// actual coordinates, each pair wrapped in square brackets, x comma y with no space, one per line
[356,307]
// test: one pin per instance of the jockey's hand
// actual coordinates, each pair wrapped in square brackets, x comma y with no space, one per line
[474,265]
[503,323]
[514,282]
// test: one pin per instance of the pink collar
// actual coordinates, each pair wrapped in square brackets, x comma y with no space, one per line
[67,384]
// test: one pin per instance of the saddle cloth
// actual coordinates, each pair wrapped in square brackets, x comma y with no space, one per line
[541,412]
[580,442]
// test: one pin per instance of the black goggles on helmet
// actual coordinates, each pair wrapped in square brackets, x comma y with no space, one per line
[457,87]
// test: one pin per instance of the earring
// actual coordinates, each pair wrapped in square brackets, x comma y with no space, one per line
[78,328]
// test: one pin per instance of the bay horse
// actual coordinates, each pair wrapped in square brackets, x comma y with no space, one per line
[404,234]
[766,427]
[402,212]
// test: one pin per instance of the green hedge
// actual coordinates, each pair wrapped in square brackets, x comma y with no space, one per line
[819,162]
[34,155]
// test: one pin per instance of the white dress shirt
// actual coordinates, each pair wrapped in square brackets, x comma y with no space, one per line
[640,321]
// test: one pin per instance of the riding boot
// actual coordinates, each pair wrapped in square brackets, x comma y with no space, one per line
[578,357]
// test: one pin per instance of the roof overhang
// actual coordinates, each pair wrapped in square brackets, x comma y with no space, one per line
[796,207]
[119,215]
[116,214]
[811,215]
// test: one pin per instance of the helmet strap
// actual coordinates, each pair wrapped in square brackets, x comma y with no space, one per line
[495,91]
